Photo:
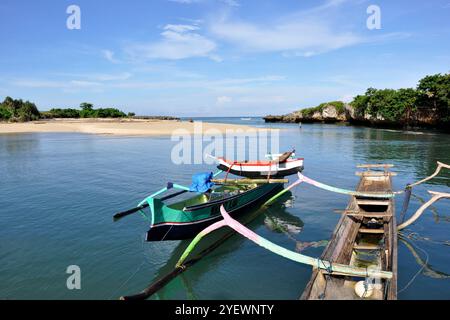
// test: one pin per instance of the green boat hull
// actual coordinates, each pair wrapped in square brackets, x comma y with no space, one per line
[185,219]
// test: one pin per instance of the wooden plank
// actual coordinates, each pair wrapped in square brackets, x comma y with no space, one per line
[361,213]
[367,202]
[379,165]
[374,173]
[370,215]
[366,230]
[366,247]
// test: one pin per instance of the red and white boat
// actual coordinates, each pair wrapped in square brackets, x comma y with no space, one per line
[281,166]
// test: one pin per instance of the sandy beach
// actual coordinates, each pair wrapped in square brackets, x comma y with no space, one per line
[118,127]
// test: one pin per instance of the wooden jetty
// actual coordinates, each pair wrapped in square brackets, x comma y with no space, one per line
[365,236]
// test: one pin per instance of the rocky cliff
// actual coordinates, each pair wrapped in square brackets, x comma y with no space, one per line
[323,113]
[329,113]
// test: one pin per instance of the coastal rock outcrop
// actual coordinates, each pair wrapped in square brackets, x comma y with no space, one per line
[328,112]
[345,113]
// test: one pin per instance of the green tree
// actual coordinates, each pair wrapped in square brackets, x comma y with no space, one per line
[18,110]
[434,93]
[87,110]
[28,112]
[64,113]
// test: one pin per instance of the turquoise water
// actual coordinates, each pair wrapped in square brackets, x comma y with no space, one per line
[58,193]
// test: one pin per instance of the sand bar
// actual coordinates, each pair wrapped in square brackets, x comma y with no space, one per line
[118,127]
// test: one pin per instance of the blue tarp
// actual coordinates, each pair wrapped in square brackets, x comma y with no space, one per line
[201,182]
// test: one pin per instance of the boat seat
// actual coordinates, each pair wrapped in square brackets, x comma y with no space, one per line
[367,230]
[366,247]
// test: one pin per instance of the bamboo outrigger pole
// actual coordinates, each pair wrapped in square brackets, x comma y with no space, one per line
[438,169]
[334,268]
[436,196]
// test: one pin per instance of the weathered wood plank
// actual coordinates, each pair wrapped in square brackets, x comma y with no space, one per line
[366,230]
[380,165]
[368,202]
[374,173]
[367,247]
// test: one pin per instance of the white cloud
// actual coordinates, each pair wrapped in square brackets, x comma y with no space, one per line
[226,84]
[180,28]
[223,100]
[302,38]
[231,3]
[110,77]
[33,83]
[178,42]
[96,76]
[106,82]
[347,98]
[109,55]
[303,33]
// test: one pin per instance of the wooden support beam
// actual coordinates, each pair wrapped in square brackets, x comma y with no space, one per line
[366,247]
[375,173]
[366,230]
[370,215]
[380,165]
[367,202]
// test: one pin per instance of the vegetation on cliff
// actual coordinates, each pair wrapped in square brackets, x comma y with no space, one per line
[339,106]
[426,105]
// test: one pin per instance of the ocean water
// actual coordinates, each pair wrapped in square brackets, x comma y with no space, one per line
[58,193]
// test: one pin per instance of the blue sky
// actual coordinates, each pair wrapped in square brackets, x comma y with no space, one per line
[216,57]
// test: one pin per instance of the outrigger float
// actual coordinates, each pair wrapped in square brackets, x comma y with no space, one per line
[360,261]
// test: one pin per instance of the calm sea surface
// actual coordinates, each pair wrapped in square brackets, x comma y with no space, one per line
[58,193]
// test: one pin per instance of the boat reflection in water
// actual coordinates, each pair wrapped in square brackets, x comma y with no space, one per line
[282,221]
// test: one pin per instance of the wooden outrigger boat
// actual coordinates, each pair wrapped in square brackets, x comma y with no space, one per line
[185,218]
[365,236]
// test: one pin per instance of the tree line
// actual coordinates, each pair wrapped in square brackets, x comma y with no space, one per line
[432,94]
[430,97]
[21,111]
[426,104]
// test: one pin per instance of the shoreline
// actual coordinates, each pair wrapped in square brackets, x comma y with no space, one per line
[120,127]
[364,124]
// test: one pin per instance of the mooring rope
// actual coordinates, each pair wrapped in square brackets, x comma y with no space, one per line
[418,272]
[133,274]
